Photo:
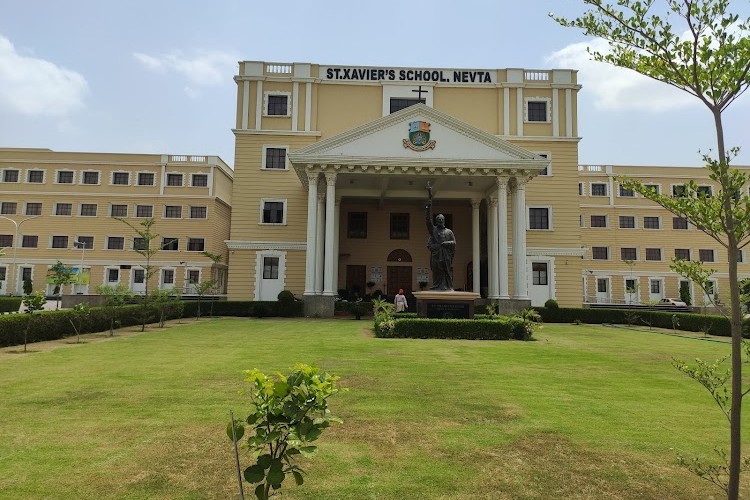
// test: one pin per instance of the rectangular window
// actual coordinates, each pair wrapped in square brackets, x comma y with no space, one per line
[170,244]
[682,253]
[653,254]
[537,111]
[35,176]
[88,209]
[8,208]
[679,191]
[627,222]
[628,253]
[602,285]
[118,211]
[654,188]
[33,208]
[145,179]
[121,178]
[270,268]
[598,189]
[625,192]
[539,273]
[30,241]
[704,192]
[277,105]
[113,275]
[115,243]
[200,180]
[91,177]
[356,225]
[64,209]
[276,158]
[545,170]
[140,243]
[650,223]
[144,211]
[630,285]
[739,256]
[580,189]
[600,253]
[655,286]
[399,103]
[10,175]
[193,276]
[86,242]
[399,226]
[173,211]
[273,212]
[167,276]
[198,213]
[679,223]
[6,240]
[538,218]
[195,245]
[706,255]
[174,180]
[598,221]
[65,177]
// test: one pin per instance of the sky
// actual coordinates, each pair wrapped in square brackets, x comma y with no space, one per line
[156,76]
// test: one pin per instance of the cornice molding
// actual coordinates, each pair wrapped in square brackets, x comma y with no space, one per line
[265,245]
[303,133]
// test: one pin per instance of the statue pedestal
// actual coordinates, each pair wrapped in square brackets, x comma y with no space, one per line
[445,304]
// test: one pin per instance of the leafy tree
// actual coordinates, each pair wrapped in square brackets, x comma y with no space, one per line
[81,313]
[145,245]
[114,298]
[201,289]
[28,287]
[61,275]
[216,258]
[287,413]
[33,303]
[163,302]
[708,56]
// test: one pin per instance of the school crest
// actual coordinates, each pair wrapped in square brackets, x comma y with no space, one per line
[419,137]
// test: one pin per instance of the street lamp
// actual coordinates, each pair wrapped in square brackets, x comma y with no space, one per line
[82,246]
[18,225]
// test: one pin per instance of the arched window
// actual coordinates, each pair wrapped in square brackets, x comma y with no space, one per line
[399,255]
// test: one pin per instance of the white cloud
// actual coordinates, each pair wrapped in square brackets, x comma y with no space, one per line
[205,68]
[36,87]
[615,88]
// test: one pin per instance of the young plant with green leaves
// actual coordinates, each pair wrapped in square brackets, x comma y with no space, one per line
[32,303]
[163,302]
[80,314]
[201,289]
[287,414]
[114,298]
[61,275]
[703,49]
[216,259]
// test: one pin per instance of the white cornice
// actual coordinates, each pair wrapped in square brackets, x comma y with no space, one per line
[562,251]
[276,132]
[265,245]
[538,138]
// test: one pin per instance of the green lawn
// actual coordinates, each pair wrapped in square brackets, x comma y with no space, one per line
[584,412]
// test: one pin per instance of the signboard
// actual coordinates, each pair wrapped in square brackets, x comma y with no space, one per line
[429,75]
[85,276]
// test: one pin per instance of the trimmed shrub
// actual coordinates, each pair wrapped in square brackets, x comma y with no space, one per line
[503,328]
[10,304]
[552,304]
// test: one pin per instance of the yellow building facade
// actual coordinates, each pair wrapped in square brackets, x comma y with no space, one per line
[63,206]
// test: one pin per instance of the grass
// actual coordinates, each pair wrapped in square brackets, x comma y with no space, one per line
[584,412]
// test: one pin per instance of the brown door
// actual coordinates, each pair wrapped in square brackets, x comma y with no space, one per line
[355,280]
[399,277]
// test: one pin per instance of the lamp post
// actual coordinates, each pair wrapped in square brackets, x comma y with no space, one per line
[82,246]
[18,225]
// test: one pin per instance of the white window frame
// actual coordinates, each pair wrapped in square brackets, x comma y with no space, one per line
[127,209]
[69,243]
[619,186]
[715,292]
[80,208]
[609,253]
[98,177]
[661,254]
[548,156]
[527,100]
[57,177]
[549,217]
[713,250]
[187,244]
[105,278]
[135,211]
[190,212]
[78,238]
[661,223]
[591,189]
[259,257]
[635,222]
[164,249]
[29,170]
[672,186]
[710,190]
[657,185]
[112,178]
[581,189]
[288,95]
[606,221]
[137,178]
[637,254]
[263,202]
[637,293]
[166,176]
[2,175]
[54,209]
[208,179]
[106,244]
[265,148]
[162,285]
[164,212]
[26,203]
[662,284]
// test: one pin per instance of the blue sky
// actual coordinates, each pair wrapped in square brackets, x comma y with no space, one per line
[156,76]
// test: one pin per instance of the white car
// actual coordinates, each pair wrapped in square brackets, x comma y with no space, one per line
[672,303]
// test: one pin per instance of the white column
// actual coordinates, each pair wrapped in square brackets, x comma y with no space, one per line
[245,103]
[518,194]
[502,229]
[312,231]
[506,111]
[520,111]
[330,237]
[336,230]
[475,250]
[555,113]
[492,249]
[295,105]
[258,104]
[568,113]
[320,244]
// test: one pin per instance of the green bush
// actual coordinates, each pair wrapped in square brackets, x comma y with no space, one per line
[10,304]
[503,328]
[552,304]
[285,305]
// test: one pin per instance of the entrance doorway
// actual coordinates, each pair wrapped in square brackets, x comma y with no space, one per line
[399,277]
[356,277]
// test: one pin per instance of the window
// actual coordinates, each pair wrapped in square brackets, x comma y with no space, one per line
[356,225]
[679,191]
[194,276]
[650,223]
[65,177]
[600,253]
[270,268]
[679,223]
[704,192]
[739,256]
[10,175]
[170,244]
[625,192]
[88,209]
[545,171]
[275,158]
[539,273]
[144,211]
[174,180]
[167,276]
[140,243]
[273,212]
[278,105]
[653,254]
[6,240]
[173,211]
[399,226]
[121,178]
[399,103]
[91,177]
[580,189]
[536,111]
[145,179]
[115,243]
[630,286]
[539,218]
[86,242]
[199,180]
[654,188]
[198,213]
[30,241]
[118,211]
[35,176]
[598,189]
[8,208]
[113,275]
[195,245]
[33,208]
[598,221]
[627,222]
[628,253]
[602,285]
[64,209]
[706,255]
[655,286]
[682,253]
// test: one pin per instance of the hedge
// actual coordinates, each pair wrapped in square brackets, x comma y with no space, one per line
[10,304]
[503,328]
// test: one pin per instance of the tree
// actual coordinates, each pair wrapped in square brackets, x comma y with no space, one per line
[710,60]
[114,298]
[61,275]
[216,258]
[144,245]
[80,313]
[33,303]
[201,289]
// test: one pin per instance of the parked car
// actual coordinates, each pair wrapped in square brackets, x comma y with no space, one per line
[672,303]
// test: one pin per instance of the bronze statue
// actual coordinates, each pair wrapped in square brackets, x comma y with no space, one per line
[442,245]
